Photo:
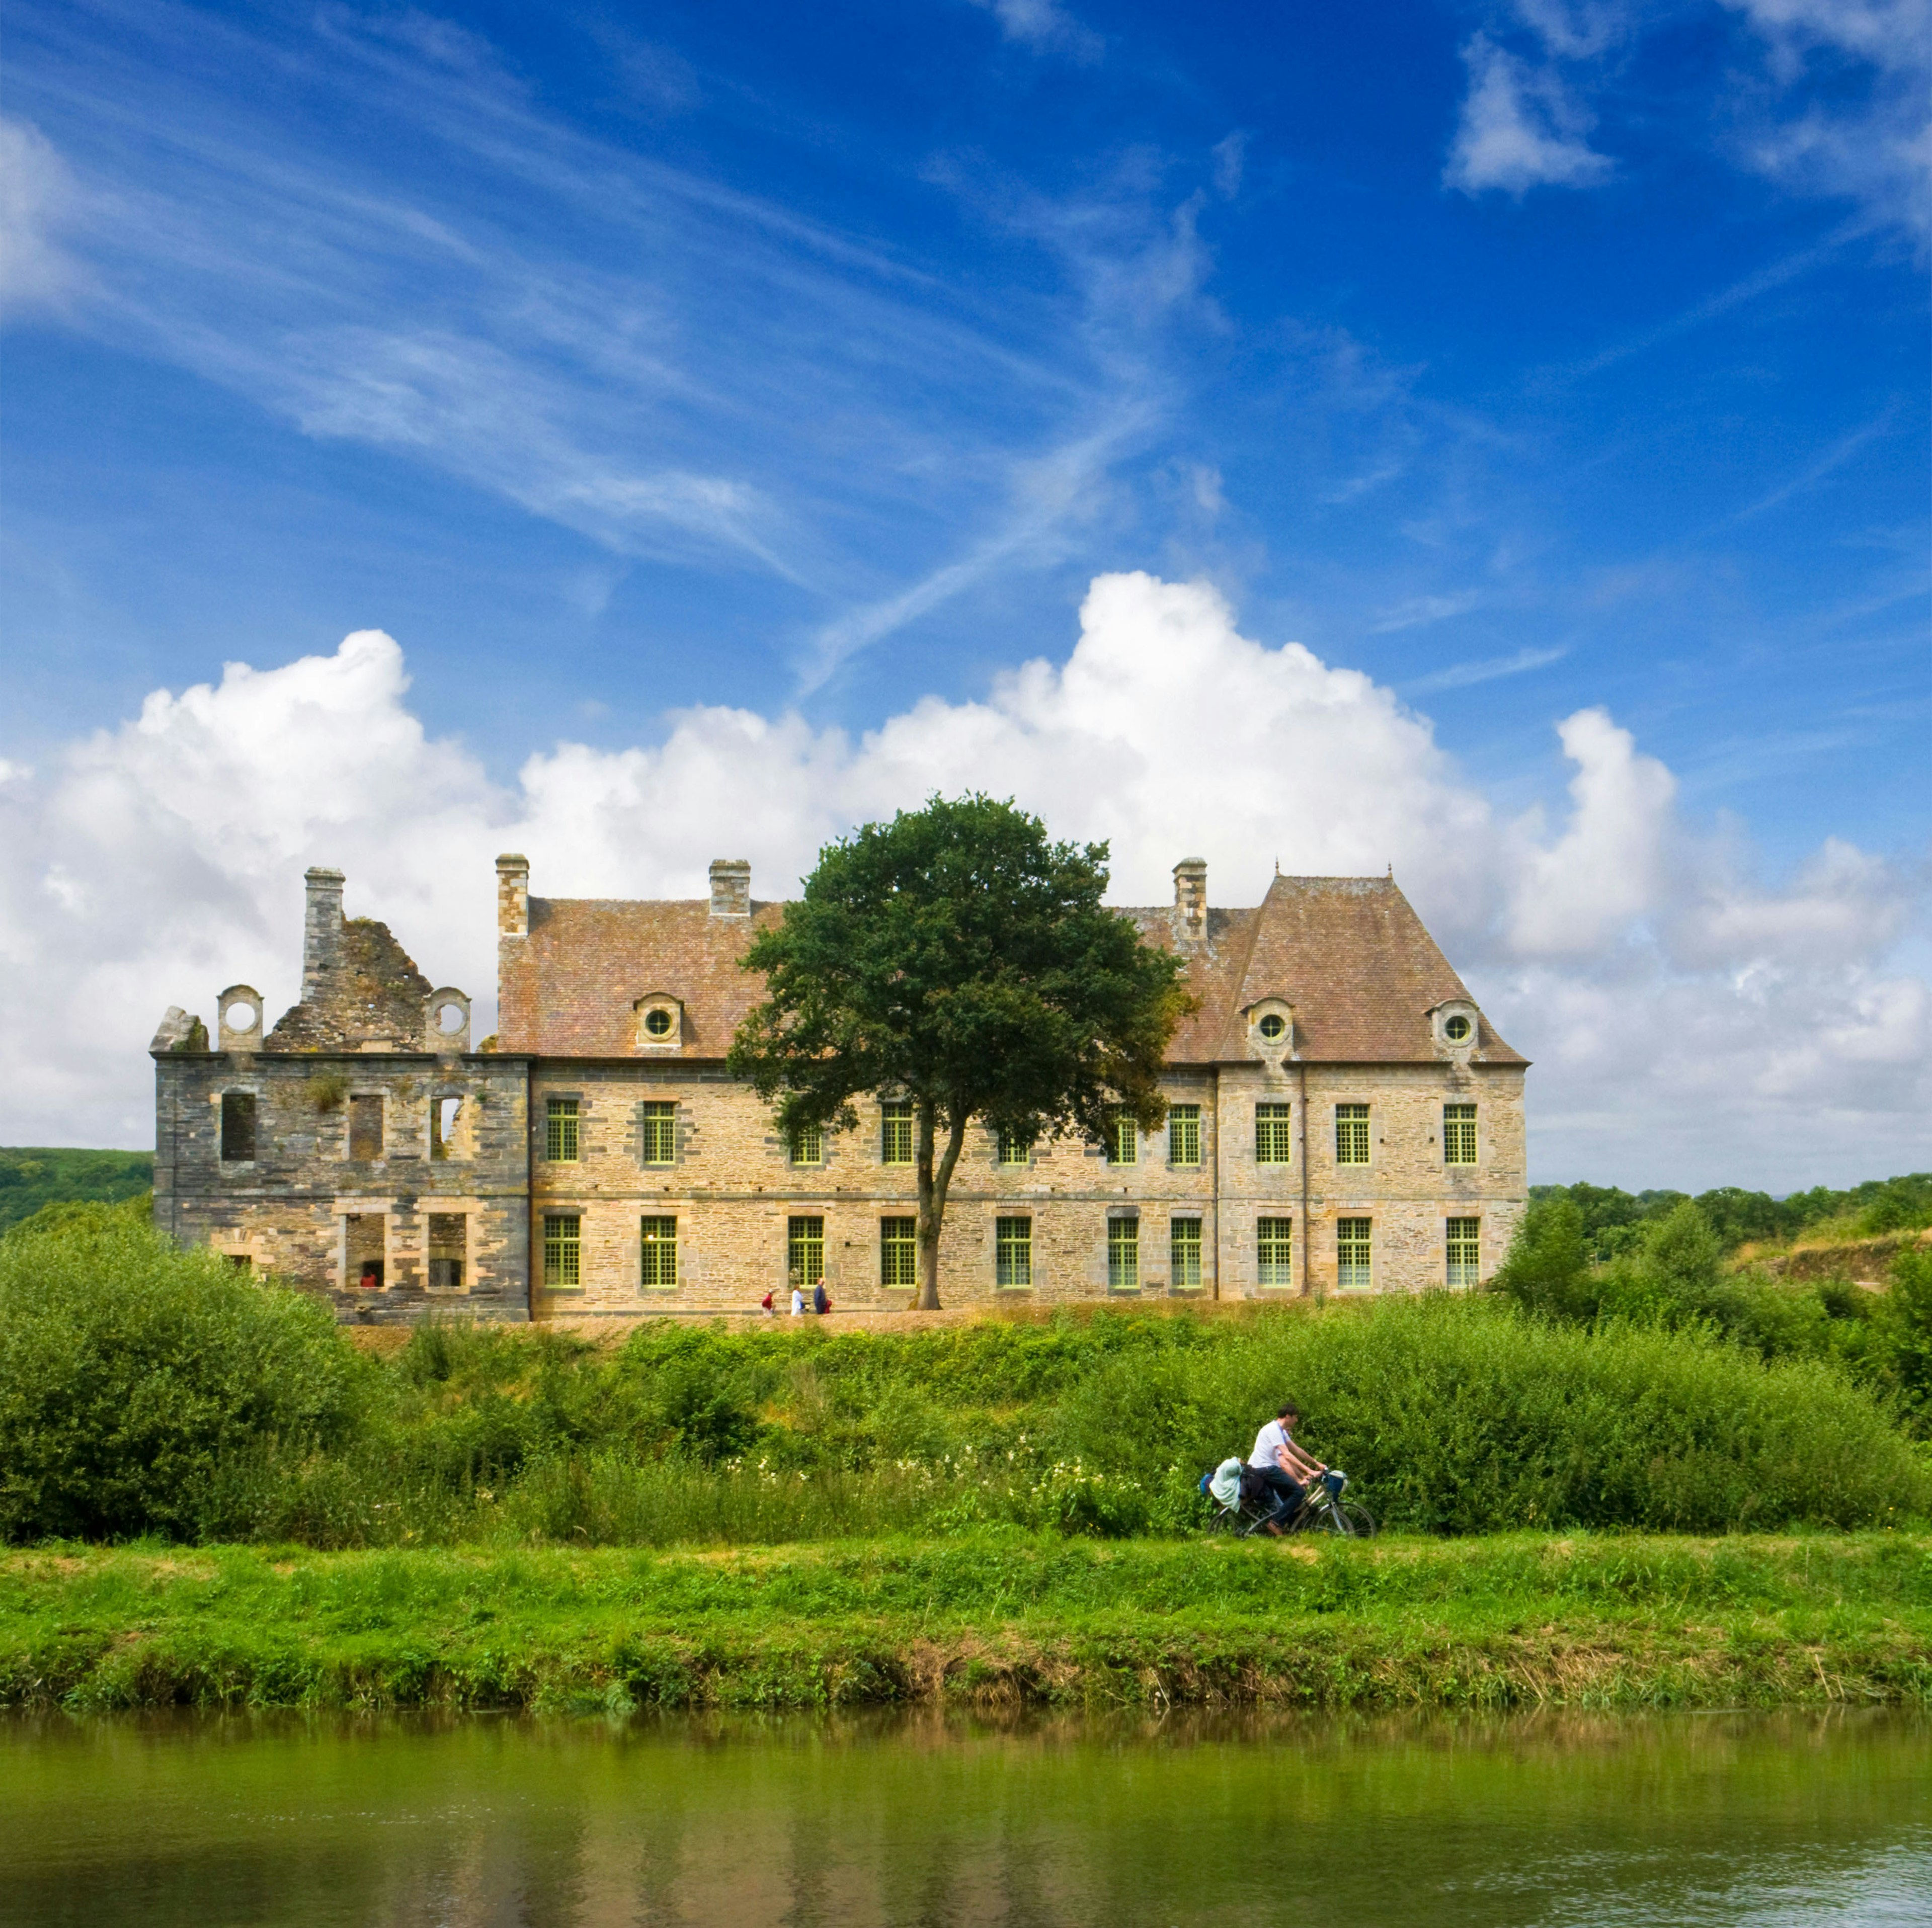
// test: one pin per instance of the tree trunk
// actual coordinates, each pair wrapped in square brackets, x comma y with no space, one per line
[933,1187]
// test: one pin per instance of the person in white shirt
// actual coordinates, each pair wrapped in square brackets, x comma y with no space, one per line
[1283,1465]
[797,1300]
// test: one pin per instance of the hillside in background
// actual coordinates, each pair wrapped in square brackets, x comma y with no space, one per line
[31,1176]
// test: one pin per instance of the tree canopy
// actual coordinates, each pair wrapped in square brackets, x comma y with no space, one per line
[958,958]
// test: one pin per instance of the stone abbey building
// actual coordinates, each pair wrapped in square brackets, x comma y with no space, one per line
[1343,1119]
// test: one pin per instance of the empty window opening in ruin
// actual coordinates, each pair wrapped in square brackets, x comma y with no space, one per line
[807,1145]
[1354,1253]
[658,1266]
[242,1262]
[1184,1254]
[1183,1135]
[365,1126]
[1124,1254]
[364,1249]
[448,1250]
[1352,1134]
[896,1132]
[1123,1139]
[1274,1252]
[899,1251]
[657,1132]
[449,1019]
[1459,1135]
[1012,1252]
[560,1126]
[446,1133]
[562,1252]
[237,1127]
[804,1252]
[1274,1134]
[1465,1250]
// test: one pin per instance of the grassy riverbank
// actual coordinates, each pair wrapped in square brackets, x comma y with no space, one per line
[994,1618]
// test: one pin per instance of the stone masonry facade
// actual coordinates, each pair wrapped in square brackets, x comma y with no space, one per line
[1345,1120]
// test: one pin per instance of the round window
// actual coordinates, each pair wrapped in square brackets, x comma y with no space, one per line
[241,1017]
[657,1024]
[1457,1030]
[1272,1026]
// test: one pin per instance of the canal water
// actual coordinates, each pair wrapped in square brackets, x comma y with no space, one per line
[1774,1822]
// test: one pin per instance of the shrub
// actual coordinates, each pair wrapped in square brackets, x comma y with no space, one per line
[131,1373]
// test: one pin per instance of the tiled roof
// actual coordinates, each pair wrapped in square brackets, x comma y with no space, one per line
[1349,954]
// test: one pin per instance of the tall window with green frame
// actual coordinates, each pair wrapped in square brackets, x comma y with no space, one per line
[658,1273]
[1124,1254]
[1013,1251]
[899,1251]
[1353,1254]
[657,1133]
[1123,1139]
[805,1251]
[1274,1252]
[1274,1134]
[1465,1250]
[560,1126]
[896,1132]
[1183,1135]
[1015,1150]
[808,1145]
[1352,1134]
[563,1248]
[1459,1135]
[1184,1254]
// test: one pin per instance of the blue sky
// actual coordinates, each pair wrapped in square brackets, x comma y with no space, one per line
[1525,358]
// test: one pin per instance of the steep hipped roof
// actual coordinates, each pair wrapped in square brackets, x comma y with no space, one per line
[1349,954]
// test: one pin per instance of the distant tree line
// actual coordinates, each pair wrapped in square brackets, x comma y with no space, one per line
[31,1176]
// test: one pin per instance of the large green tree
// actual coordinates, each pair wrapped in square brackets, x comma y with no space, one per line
[958,958]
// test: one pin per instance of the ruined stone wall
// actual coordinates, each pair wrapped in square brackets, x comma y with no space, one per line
[732,1189]
[305,1207]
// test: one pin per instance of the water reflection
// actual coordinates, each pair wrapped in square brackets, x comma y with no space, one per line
[954,1823]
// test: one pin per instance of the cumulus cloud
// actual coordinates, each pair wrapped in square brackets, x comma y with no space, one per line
[37,197]
[1688,1023]
[1520,128]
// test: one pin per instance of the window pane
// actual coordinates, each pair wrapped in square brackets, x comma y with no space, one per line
[1274,1134]
[1124,1254]
[1465,1250]
[1123,1141]
[1013,1248]
[808,1145]
[1184,1253]
[449,1246]
[365,1127]
[1183,1135]
[1352,1253]
[1274,1252]
[562,1246]
[659,1134]
[238,1126]
[805,1251]
[899,1251]
[659,1272]
[895,1132]
[559,1129]
[1352,1134]
[1015,1150]
[1459,1135]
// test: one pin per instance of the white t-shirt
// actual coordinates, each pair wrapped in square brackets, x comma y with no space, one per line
[797,1302]
[1272,1435]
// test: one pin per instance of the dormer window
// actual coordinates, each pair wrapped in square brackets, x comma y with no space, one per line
[1457,1030]
[1272,1026]
[1454,1025]
[660,1022]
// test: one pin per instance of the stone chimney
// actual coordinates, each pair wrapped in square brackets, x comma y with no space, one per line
[1190,900]
[322,932]
[731,887]
[513,895]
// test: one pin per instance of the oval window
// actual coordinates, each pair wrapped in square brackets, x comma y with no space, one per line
[657,1024]
[1272,1026]
[1457,1030]
[241,1017]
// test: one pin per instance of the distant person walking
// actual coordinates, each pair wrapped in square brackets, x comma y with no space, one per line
[770,1310]
[820,1304]
[797,1300]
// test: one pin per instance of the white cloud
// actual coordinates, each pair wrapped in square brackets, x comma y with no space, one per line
[1521,128]
[1045,26]
[37,197]
[1688,1024]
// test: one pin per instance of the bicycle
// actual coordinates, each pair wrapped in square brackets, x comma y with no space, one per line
[1322,1511]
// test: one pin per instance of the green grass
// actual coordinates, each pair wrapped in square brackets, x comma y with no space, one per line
[990,1618]
[32,1176]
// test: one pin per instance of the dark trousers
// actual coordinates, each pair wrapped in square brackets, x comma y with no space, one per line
[1286,1490]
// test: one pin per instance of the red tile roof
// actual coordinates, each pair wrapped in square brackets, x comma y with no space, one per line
[1349,954]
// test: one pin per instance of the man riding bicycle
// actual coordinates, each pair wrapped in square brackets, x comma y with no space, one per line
[1282,1466]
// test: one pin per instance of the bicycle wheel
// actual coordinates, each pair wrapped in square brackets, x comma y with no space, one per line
[1361,1523]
